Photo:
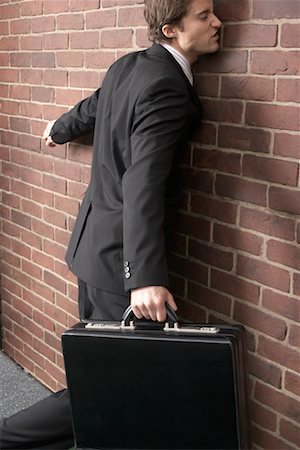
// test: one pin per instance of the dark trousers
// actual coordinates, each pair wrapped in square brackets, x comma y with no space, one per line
[48,423]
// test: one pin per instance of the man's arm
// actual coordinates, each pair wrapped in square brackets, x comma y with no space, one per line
[157,132]
[76,122]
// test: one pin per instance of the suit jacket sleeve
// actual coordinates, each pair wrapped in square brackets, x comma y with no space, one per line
[158,128]
[76,122]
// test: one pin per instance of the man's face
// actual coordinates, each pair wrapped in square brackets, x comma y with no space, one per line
[197,34]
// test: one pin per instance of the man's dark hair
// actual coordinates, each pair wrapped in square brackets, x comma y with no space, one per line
[161,12]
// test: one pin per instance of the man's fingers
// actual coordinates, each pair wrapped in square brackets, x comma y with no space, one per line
[171,302]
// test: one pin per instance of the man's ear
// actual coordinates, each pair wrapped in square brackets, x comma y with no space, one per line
[169,31]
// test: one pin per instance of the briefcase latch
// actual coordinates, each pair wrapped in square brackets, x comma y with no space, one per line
[202,329]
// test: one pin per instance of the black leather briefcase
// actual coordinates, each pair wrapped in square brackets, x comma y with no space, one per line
[157,386]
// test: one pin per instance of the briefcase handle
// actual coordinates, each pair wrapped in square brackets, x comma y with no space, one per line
[130,318]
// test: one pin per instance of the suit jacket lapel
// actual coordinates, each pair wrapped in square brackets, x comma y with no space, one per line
[160,51]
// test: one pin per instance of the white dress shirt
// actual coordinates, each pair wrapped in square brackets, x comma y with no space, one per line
[182,60]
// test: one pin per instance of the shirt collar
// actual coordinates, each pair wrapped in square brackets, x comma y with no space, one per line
[182,61]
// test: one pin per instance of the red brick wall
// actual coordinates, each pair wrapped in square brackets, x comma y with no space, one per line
[237,256]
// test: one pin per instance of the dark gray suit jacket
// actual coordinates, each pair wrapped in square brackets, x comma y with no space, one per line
[142,119]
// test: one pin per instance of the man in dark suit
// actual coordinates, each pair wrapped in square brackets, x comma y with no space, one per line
[142,118]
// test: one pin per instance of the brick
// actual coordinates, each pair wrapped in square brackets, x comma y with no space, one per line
[9,107]
[33,270]
[199,180]
[68,170]
[290,432]
[54,281]
[275,62]
[67,205]
[59,41]
[237,239]
[39,162]
[21,219]
[31,43]
[20,26]
[285,200]
[56,6]
[31,8]
[207,85]
[213,208]
[141,38]
[55,78]
[288,90]
[287,145]
[41,196]
[54,184]
[290,34]
[82,5]
[240,189]
[272,116]
[270,169]
[43,24]
[56,218]
[9,75]
[31,110]
[259,320]
[4,28]
[68,96]
[209,299]
[43,94]
[51,112]
[264,370]
[20,92]
[235,286]
[9,43]
[242,138]
[101,19]
[70,22]
[70,59]
[275,9]
[131,17]
[250,35]
[193,226]
[62,236]
[266,440]
[43,260]
[235,10]
[188,268]
[34,356]
[99,60]
[31,239]
[32,76]
[116,39]
[297,284]
[250,88]
[9,11]
[266,223]
[205,133]
[31,208]
[45,321]
[84,79]
[292,382]
[44,350]
[85,39]
[43,59]
[264,273]
[210,255]
[283,253]
[222,161]
[216,110]
[30,176]
[263,416]
[20,59]
[280,354]
[229,61]
[294,338]
[53,249]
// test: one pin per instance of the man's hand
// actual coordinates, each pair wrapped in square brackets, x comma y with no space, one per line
[150,302]
[46,137]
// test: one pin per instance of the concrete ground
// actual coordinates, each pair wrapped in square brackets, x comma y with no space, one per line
[18,389]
